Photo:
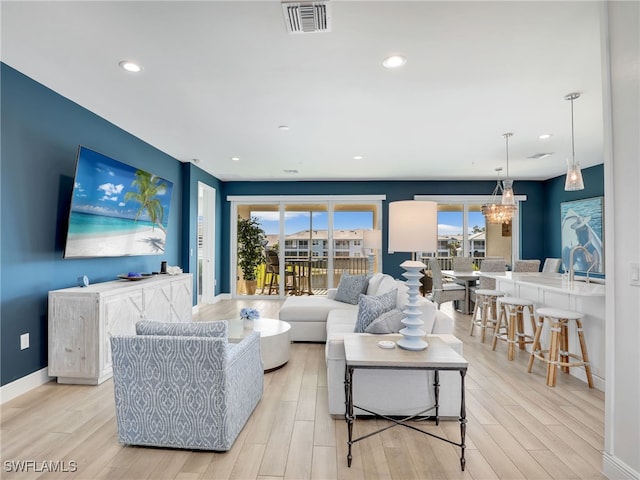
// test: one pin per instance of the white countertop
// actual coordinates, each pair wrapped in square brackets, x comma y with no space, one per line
[550,281]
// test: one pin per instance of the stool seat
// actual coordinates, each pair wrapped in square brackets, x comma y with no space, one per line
[510,326]
[559,313]
[486,291]
[523,302]
[558,351]
[486,306]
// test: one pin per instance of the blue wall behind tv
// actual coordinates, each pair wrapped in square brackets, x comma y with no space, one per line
[40,132]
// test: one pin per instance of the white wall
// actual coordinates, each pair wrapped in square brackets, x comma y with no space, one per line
[621,458]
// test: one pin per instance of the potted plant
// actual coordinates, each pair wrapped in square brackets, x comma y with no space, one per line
[251,240]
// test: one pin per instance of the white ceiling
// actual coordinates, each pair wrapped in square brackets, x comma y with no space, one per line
[220,77]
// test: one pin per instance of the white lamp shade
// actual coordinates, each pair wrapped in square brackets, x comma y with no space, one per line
[413,226]
[372,239]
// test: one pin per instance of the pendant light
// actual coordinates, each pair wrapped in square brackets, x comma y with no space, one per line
[507,189]
[495,211]
[574,173]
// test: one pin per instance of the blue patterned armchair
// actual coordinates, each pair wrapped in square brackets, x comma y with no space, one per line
[183,385]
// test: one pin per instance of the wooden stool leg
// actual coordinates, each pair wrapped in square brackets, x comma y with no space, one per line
[511,334]
[520,327]
[585,355]
[485,313]
[535,349]
[475,314]
[497,330]
[552,366]
[564,346]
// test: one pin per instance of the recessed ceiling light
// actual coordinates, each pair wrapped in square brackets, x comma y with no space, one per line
[358,157]
[394,61]
[284,127]
[545,136]
[235,159]
[130,66]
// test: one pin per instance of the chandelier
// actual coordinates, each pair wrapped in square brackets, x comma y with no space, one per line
[501,211]
[495,211]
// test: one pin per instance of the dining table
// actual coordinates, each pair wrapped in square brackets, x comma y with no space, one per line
[466,278]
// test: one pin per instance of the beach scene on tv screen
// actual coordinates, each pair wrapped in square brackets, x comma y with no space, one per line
[116,209]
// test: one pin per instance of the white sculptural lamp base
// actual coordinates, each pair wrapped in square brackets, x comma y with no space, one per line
[412,333]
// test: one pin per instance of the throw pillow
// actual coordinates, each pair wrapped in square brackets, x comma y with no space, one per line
[189,329]
[370,308]
[350,287]
[374,283]
[387,284]
[388,322]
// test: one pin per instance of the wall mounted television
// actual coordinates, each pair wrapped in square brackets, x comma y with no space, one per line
[116,210]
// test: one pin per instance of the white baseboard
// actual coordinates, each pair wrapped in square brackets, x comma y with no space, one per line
[615,469]
[24,384]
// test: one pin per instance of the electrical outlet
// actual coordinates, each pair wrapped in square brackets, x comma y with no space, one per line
[24,341]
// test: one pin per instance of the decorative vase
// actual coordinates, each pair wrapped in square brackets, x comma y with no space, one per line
[247,324]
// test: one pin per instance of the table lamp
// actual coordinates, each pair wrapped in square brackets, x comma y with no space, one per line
[413,227]
[372,240]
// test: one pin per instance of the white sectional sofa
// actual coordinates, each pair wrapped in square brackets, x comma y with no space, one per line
[391,392]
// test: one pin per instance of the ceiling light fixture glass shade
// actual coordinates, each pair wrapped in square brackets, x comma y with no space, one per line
[495,211]
[508,197]
[574,173]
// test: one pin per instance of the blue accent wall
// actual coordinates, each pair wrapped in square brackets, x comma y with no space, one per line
[41,131]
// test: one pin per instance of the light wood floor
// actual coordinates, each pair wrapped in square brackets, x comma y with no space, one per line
[518,428]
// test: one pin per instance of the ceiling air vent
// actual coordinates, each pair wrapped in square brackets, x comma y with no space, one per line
[540,156]
[307,17]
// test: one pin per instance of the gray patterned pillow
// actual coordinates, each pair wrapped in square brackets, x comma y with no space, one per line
[370,308]
[350,287]
[189,329]
[388,322]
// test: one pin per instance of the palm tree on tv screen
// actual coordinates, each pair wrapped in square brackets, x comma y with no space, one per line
[149,187]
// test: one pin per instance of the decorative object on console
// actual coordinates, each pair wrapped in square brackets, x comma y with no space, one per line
[574,173]
[83,281]
[134,276]
[372,240]
[174,270]
[413,227]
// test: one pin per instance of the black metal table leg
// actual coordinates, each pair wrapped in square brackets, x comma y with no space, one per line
[463,419]
[348,394]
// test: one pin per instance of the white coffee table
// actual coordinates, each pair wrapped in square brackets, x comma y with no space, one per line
[275,339]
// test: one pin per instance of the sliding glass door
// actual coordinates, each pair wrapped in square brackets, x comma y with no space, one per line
[308,242]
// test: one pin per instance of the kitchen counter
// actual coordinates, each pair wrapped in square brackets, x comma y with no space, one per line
[552,282]
[555,290]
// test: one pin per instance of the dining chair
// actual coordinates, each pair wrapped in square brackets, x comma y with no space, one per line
[552,265]
[526,266]
[462,264]
[444,292]
[272,268]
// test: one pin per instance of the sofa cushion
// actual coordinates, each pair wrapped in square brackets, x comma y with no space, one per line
[350,287]
[374,283]
[312,308]
[388,322]
[191,329]
[371,307]
[387,283]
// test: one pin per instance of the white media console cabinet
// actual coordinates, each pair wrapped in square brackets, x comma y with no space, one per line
[82,319]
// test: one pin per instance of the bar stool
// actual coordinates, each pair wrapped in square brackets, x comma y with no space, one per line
[511,319]
[559,344]
[486,305]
